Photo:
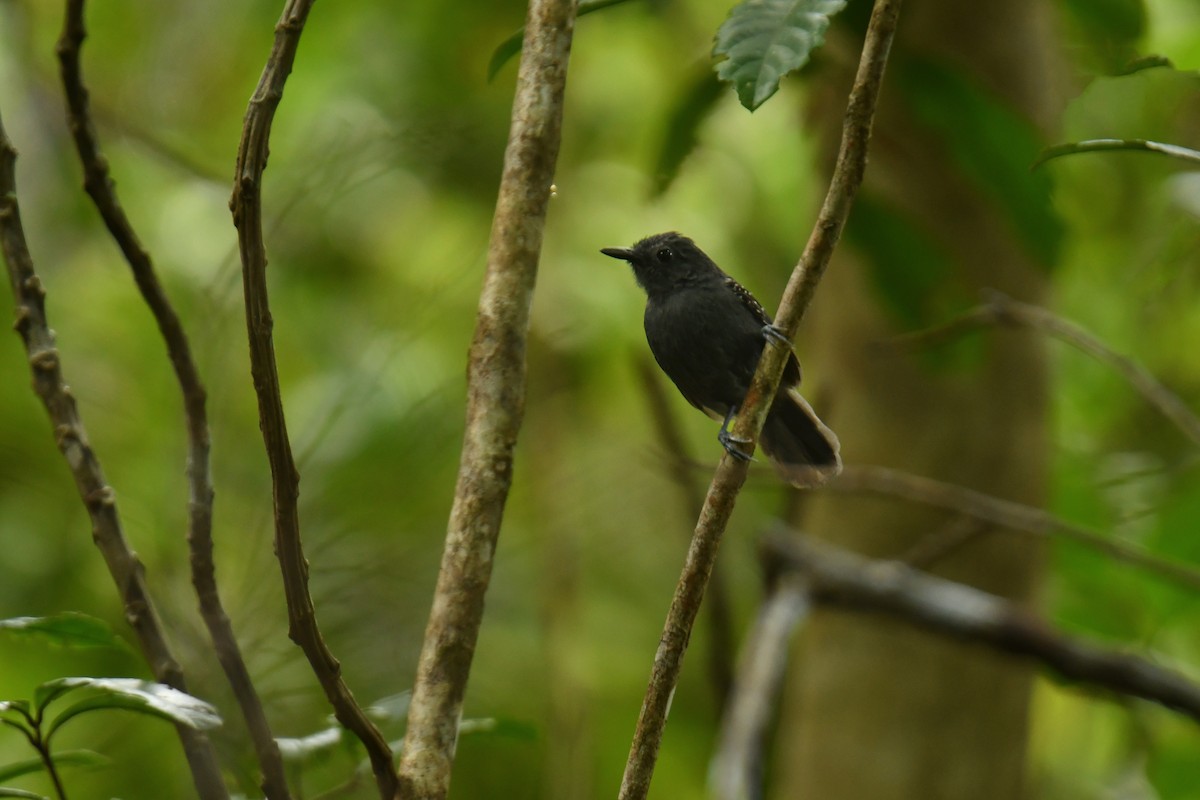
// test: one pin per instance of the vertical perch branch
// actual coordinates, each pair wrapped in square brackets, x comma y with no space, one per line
[100,187]
[246,205]
[495,402]
[731,473]
[98,497]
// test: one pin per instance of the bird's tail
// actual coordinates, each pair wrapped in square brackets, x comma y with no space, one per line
[803,449]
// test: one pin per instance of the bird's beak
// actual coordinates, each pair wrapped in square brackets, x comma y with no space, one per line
[623,253]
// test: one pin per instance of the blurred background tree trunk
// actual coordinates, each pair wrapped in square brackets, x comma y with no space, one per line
[875,709]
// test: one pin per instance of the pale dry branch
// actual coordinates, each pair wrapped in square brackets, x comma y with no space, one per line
[735,772]
[101,189]
[495,402]
[246,205]
[731,473]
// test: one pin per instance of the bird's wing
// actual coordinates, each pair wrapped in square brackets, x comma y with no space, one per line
[749,301]
[791,373]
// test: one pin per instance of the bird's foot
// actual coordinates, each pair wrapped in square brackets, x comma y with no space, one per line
[772,333]
[733,445]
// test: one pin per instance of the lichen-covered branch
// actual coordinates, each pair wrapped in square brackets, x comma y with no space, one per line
[98,497]
[731,473]
[495,402]
[101,189]
[246,205]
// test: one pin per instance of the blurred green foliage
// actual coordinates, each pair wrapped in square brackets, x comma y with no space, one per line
[384,166]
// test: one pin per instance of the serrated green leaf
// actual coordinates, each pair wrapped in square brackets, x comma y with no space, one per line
[70,629]
[764,40]
[129,694]
[67,758]
[992,145]
[505,51]
[679,138]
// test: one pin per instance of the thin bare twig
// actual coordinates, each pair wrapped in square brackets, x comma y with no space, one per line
[246,205]
[1006,514]
[735,772]
[842,578]
[1000,309]
[1129,145]
[731,473]
[720,617]
[495,402]
[98,497]
[101,189]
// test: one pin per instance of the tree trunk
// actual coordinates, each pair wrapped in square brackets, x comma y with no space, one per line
[875,709]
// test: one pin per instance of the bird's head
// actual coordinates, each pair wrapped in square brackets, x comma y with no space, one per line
[665,262]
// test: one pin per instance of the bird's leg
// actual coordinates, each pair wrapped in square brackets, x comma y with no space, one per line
[731,442]
[774,334]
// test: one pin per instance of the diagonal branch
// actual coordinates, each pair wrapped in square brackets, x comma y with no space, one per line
[963,612]
[495,402]
[98,497]
[1000,309]
[246,205]
[731,474]
[1006,514]
[101,189]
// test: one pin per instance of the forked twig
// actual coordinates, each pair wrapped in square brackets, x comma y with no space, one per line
[841,578]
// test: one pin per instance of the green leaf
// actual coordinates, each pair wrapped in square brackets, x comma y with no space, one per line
[21,793]
[764,40]
[679,138]
[130,694]
[66,630]
[992,145]
[513,44]
[68,758]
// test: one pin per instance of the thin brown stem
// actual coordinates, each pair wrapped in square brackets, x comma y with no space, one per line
[841,578]
[102,190]
[731,473]
[1000,309]
[98,497]
[495,402]
[246,205]
[720,616]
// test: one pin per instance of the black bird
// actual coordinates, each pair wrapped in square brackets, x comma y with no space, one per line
[707,333]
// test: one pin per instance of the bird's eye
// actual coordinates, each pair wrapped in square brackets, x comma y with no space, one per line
[664,255]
